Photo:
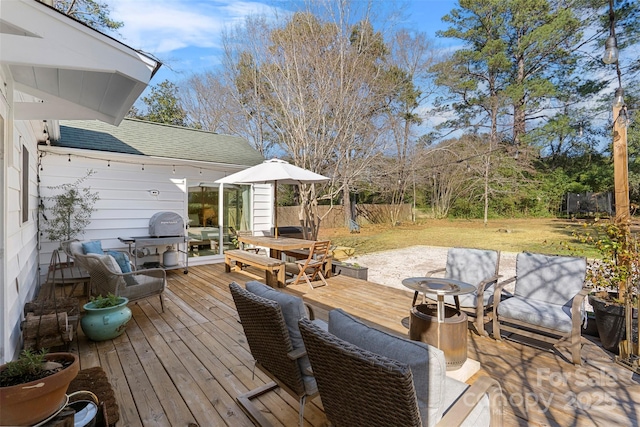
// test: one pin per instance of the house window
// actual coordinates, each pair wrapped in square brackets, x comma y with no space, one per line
[25,185]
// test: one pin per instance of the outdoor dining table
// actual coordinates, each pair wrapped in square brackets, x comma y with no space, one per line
[277,245]
[450,334]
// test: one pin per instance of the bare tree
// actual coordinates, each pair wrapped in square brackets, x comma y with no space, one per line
[410,58]
[315,86]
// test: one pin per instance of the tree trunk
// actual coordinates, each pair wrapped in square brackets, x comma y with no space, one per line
[346,203]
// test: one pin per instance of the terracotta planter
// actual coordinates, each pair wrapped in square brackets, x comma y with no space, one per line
[30,403]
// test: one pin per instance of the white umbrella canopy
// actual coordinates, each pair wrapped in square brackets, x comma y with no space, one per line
[274,171]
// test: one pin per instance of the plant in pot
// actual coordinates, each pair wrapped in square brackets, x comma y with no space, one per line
[105,317]
[354,270]
[69,211]
[615,277]
[34,386]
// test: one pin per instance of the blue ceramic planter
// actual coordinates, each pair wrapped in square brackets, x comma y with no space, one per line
[101,324]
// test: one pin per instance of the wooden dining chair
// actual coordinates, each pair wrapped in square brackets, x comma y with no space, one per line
[312,267]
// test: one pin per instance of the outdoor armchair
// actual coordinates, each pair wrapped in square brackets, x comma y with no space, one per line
[269,319]
[107,275]
[477,267]
[547,300]
[368,377]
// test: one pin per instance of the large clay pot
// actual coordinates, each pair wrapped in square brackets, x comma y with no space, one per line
[30,403]
[101,324]
[610,320]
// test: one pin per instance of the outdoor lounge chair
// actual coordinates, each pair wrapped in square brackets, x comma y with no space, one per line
[107,276]
[313,265]
[547,300]
[368,377]
[476,267]
[270,322]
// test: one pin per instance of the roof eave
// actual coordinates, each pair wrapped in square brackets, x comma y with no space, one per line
[95,77]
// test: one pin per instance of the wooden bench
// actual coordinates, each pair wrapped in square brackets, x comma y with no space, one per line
[274,268]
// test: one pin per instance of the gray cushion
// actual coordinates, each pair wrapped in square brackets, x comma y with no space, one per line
[292,310]
[426,362]
[471,300]
[471,265]
[547,278]
[481,413]
[552,316]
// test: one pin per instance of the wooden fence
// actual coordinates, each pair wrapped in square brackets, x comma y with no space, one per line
[334,217]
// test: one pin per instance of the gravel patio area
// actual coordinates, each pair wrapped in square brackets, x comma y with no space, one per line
[390,267]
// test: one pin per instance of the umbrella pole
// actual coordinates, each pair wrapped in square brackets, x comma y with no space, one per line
[275,209]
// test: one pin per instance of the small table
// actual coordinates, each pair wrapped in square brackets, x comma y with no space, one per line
[453,342]
[440,287]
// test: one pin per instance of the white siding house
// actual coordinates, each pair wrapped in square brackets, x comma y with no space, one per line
[141,168]
[51,68]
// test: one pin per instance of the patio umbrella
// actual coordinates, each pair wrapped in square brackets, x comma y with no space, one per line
[274,171]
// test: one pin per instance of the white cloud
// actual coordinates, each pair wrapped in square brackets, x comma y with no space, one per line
[163,26]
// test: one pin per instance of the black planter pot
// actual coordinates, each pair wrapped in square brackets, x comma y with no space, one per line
[610,322]
[592,328]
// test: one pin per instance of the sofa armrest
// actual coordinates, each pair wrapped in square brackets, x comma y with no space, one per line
[497,294]
[576,308]
[460,410]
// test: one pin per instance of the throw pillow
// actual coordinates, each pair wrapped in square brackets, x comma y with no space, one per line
[122,259]
[111,263]
[92,247]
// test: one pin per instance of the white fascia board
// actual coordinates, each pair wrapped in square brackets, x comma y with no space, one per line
[61,42]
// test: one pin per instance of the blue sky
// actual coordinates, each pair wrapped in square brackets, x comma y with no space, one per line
[185,34]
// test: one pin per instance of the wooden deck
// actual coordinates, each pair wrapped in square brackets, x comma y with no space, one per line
[184,367]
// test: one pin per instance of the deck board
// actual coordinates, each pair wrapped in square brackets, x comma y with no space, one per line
[540,383]
[188,364]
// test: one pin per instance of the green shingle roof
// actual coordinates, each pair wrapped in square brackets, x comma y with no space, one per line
[144,138]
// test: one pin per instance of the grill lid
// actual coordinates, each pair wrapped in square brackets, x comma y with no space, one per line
[166,224]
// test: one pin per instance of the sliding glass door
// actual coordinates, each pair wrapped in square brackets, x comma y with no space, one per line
[211,229]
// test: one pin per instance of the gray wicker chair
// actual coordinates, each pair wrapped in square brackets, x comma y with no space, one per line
[271,341]
[106,276]
[479,268]
[360,387]
[547,300]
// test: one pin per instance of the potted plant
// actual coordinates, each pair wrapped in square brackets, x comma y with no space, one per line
[350,269]
[33,387]
[105,317]
[70,210]
[615,277]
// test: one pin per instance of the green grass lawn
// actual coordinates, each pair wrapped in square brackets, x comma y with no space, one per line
[510,235]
